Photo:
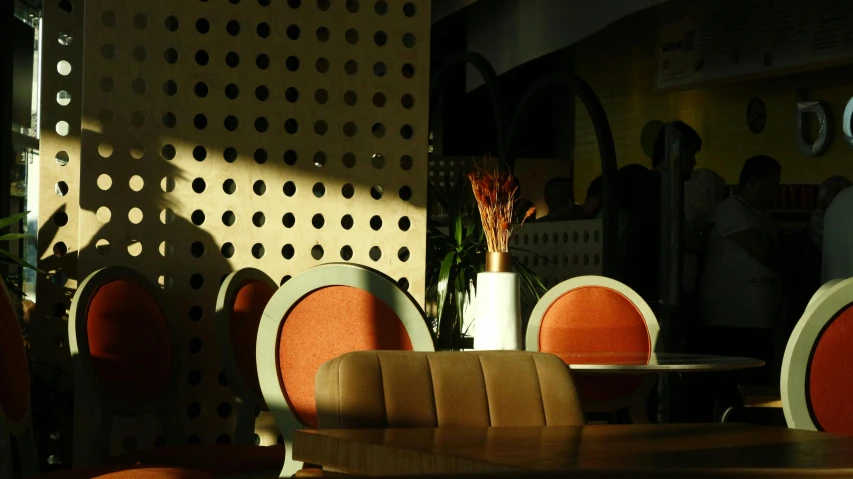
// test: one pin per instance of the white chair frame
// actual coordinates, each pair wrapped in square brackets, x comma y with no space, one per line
[301,285]
[635,402]
[821,311]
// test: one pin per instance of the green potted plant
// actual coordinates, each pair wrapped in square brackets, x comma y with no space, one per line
[456,253]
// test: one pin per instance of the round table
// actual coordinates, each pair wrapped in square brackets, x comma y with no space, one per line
[636,363]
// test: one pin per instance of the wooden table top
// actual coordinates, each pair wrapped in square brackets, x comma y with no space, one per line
[695,447]
[623,363]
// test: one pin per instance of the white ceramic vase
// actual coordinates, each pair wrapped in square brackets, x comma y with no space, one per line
[498,320]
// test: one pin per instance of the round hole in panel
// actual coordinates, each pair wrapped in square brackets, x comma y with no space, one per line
[262,93]
[260,156]
[289,157]
[351,67]
[321,65]
[193,379]
[230,154]
[321,127]
[292,63]
[103,214]
[104,182]
[199,185]
[351,36]
[406,162]
[376,192]
[319,189]
[134,248]
[135,215]
[288,220]
[197,217]
[229,218]
[200,121]
[193,438]
[102,246]
[287,251]
[227,250]
[196,313]
[172,23]
[197,249]
[232,91]
[323,34]
[170,55]
[259,187]
[381,7]
[136,183]
[289,188]
[62,158]
[229,186]
[294,3]
[348,160]
[317,221]
[66,6]
[347,222]
[63,98]
[405,193]
[196,281]
[223,411]
[263,30]
[403,283]
[170,88]
[292,32]
[324,5]
[409,9]
[167,216]
[167,248]
[403,254]
[408,70]
[379,99]
[380,38]
[262,61]
[376,223]
[375,253]
[258,250]
[170,120]
[406,131]
[107,84]
[321,96]
[409,40]
[352,6]
[407,101]
[60,249]
[380,69]
[137,119]
[194,346]
[259,219]
[284,279]
[231,123]
[200,89]
[165,281]
[61,188]
[350,98]
[346,253]
[348,190]
[350,129]
[378,130]
[63,67]
[404,223]
[202,26]
[199,153]
[291,126]
[317,252]
[202,58]
[291,95]
[138,86]
[320,159]
[233,28]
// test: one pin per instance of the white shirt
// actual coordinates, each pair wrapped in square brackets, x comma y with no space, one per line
[737,290]
[838,238]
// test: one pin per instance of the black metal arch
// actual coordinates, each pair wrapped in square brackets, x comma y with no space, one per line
[490,79]
[606,149]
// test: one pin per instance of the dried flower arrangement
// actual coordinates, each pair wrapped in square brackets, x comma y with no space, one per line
[496,195]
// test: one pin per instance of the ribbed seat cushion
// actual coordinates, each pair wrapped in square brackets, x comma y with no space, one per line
[394,389]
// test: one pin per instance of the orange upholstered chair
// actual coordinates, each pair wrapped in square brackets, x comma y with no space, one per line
[817,365]
[242,298]
[127,362]
[318,315]
[589,315]
[16,421]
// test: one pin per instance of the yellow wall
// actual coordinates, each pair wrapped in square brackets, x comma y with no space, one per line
[619,64]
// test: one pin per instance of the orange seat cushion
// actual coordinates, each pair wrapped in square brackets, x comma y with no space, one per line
[596,319]
[829,372]
[14,372]
[323,325]
[129,342]
[212,458]
[249,302]
[137,472]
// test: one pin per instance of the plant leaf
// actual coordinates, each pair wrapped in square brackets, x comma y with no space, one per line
[15,236]
[443,282]
[10,257]
[11,220]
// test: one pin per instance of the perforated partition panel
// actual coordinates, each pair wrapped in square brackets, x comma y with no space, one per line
[222,134]
[560,250]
